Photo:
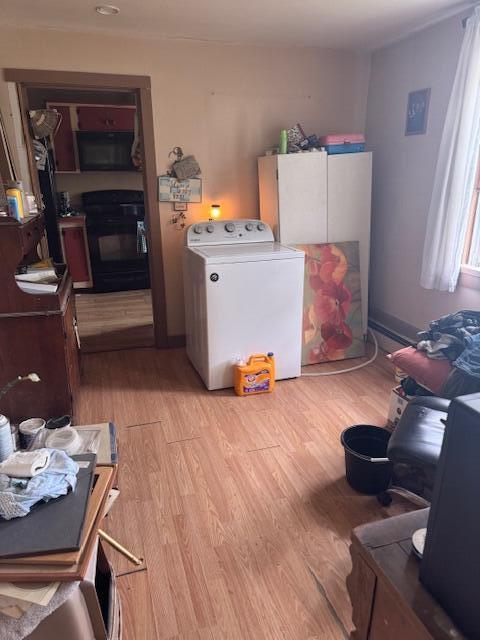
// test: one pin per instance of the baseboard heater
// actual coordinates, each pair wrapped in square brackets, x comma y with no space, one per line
[385,331]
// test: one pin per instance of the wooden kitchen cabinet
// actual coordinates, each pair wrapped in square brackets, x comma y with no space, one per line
[64,141]
[98,118]
[95,118]
[74,241]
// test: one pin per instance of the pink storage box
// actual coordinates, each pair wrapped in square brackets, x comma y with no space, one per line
[341,138]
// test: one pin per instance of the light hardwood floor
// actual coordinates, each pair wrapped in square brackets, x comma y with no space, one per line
[118,320]
[239,506]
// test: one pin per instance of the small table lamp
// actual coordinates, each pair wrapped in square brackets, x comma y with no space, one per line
[215,212]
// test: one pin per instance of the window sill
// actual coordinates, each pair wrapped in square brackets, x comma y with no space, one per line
[470,276]
[471,271]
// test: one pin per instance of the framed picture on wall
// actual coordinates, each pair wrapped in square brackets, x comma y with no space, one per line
[180,206]
[174,190]
[417,112]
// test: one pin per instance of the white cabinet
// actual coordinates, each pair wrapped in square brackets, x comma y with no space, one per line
[293,196]
[310,198]
[349,209]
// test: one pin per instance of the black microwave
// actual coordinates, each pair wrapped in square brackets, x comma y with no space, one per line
[105,150]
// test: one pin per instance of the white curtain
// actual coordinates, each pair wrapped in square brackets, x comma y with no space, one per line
[455,173]
[474,257]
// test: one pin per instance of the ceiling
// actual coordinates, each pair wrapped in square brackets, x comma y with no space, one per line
[343,24]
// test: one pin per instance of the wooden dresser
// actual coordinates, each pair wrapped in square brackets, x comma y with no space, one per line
[37,332]
[389,602]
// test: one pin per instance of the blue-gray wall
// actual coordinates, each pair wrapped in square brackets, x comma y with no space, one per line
[403,173]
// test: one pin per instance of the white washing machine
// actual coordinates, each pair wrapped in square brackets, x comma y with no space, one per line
[243,295]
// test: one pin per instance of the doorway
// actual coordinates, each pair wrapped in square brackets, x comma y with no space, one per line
[102,192]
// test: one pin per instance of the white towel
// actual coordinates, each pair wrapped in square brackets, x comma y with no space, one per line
[26,464]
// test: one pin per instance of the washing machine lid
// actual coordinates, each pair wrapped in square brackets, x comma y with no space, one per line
[255,252]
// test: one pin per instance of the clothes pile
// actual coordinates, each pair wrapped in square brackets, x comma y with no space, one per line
[447,336]
[456,337]
[28,477]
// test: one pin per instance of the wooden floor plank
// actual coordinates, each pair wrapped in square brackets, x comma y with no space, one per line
[239,506]
[138,621]
[117,320]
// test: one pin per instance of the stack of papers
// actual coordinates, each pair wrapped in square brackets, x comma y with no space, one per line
[37,287]
[40,277]
[15,600]
[37,275]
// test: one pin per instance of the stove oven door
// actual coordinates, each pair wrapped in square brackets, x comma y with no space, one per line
[117,255]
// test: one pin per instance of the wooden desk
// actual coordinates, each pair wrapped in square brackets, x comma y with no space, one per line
[389,602]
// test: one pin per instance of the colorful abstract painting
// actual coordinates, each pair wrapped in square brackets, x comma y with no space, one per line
[332,303]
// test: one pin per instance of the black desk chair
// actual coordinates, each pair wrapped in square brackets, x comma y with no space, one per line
[414,450]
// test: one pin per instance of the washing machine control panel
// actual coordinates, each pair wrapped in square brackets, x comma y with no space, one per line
[228,232]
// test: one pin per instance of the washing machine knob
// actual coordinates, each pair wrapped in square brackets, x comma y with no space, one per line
[210,228]
[260,226]
[197,228]
[249,226]
[230,227]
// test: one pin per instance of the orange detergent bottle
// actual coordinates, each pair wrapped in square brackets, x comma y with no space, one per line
[257,376]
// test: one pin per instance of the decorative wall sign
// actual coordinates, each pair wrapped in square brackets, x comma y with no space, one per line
[417,112]
[178,219]
[173,190]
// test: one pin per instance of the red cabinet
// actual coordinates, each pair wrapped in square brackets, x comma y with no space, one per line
[105,118]
[73,237]
[63,142]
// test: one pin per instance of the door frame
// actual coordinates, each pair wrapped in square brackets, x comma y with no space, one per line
[140,86]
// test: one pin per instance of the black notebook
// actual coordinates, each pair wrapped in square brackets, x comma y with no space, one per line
[54,526]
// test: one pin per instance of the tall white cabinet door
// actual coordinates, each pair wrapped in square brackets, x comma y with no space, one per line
[268,192]
[349,209]
[302,198]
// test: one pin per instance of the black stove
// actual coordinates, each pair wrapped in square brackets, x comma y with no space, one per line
[115,222]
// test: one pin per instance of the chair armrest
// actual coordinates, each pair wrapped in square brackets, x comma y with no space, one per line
[431,402]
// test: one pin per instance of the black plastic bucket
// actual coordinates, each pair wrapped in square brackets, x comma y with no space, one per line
[367,467]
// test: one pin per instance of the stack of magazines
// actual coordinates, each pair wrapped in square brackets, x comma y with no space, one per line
[40,277]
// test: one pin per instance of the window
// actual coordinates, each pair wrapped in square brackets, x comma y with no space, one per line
[471,255]
[451,214]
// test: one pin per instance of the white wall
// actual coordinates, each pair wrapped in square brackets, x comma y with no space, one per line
[403,173]
[223,103]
